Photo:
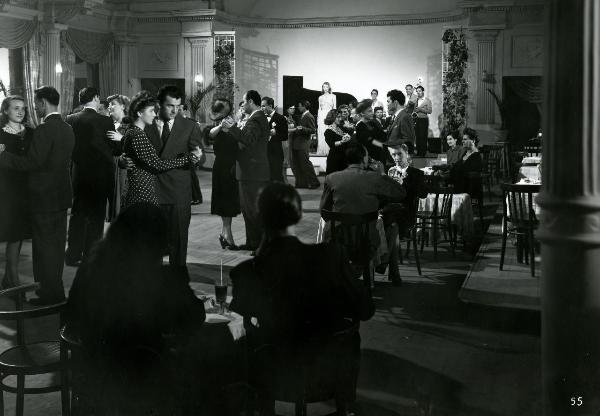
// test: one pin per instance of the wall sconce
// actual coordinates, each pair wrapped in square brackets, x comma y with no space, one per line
[58,68]
[198,78]
[419,80]
[488,78]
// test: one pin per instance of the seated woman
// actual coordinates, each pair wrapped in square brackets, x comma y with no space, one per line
[298,295]
[454,153]
[129,311]
[464,174]
[337,140]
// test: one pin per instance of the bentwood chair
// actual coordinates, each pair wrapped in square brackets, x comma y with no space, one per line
[519,219]
[25,359]
[475,191]
[352,233]
[438,220]
[410,236]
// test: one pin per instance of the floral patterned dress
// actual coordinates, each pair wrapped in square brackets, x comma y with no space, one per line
[141,179]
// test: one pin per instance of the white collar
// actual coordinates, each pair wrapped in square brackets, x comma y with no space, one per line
[305,113]
[398,111]
[91,108]
[258,109]
[50,114]
[272,112]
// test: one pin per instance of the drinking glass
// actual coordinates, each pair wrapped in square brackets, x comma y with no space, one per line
[221,296]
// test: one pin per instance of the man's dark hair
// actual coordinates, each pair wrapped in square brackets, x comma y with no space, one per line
[253,96]
[171,91]
[421,88]
[270,101]
[355,153]
[377,109]
[363,106]
[47,93]
[304,103]
[87,94]
[104,103]
[408,85]
[375,90]
[353,103]
[397,95]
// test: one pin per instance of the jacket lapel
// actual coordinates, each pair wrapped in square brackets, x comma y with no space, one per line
[152,133]
[176,132]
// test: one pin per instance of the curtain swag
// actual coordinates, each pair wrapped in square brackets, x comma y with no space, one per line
[15,33]
[89,46]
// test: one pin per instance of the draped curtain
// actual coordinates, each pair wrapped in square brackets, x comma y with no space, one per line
[15,33]
[31,67]
[527,89]
[67,78]
[109,72]
[91,47]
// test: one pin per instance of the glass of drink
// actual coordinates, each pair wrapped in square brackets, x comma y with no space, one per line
[221,296]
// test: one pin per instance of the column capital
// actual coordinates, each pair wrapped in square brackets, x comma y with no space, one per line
[49,27]
[485,34]
[123,39]
[199,42]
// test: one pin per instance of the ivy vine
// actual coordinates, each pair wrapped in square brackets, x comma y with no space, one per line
[455,87]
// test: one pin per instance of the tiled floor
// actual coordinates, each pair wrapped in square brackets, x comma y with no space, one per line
[424,352]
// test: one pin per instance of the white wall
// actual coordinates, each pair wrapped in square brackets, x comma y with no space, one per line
[354,60]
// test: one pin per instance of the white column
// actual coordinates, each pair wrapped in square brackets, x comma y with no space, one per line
[201,63]
[126,57]
[52,55]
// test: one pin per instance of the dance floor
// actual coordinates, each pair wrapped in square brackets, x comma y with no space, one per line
[424,351]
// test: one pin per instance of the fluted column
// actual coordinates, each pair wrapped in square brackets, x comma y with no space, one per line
[570,201]
[52,54]
[126,65]
[201,64]
[486,61]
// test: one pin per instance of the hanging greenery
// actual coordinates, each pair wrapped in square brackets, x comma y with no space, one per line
[455,87]
[225,84]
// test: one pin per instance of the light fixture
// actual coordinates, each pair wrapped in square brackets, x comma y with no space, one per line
[198,78]
[58,68]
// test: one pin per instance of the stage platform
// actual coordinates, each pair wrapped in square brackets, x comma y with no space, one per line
[513,287]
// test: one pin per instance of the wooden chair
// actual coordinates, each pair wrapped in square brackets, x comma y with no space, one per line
[32,358]
[533,149]
[352,232]
[475,191]
[519,219]
[410,236]
[438,219]
[321,369]
[492,155]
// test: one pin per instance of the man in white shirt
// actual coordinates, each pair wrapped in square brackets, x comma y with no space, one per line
[422,111]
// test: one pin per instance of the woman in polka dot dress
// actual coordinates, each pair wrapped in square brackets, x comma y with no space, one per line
[136,145]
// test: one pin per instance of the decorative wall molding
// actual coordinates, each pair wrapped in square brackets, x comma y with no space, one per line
[10,10]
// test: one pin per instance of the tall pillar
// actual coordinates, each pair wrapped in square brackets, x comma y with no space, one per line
[570,201]
[486,61]
[52,54]
[126,65]
[201,64]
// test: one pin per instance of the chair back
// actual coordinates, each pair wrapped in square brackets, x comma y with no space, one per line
[432,182]
[352,232]
[492,154]
[20,315]
[518,204]
[532,149]
[474,185]
[442,204]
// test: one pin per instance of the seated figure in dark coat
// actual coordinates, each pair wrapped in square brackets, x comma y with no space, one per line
[294,297]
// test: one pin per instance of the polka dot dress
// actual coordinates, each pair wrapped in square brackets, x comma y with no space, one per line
[142,178]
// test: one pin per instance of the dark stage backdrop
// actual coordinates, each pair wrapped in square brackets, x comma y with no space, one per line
[152,85]
[293,91]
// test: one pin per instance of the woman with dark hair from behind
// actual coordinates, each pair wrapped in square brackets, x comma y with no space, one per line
[118,108]
[337,141]
[296,293]
[225,201]
[370,134]
[15,224]
[136,145]
[129,311]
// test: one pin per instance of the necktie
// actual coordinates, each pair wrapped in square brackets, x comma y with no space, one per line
[165,132]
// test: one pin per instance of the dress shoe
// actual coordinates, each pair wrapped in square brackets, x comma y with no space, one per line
[246,247]
[43,302]
[225,244]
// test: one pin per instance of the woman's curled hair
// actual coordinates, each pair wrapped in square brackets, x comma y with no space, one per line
[139,102]
[279,206]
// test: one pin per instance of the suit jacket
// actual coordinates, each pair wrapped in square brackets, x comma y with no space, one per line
[175,186]
[252,161]
[401,130]
[281,128]
[298,291]
[359,191]
[47,161]
[414,185]
[93,153]
[424,109]
[301,138]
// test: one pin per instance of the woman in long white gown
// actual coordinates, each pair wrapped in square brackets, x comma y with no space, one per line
[327,102]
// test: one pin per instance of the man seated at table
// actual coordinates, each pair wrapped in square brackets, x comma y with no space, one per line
[293,294]
[399,217]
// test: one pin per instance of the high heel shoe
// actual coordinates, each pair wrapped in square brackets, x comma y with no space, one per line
[226,244]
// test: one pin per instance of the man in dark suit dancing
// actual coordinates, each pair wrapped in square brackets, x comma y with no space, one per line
[171,135]
[49,187]
[301,165]
[400,129]
[93,176]
[278,133]
[252,167]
